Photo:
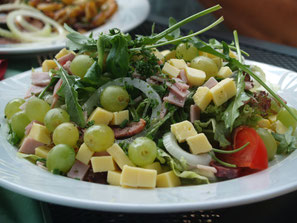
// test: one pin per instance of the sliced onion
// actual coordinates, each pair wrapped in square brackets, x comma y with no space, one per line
[174,149]
[25,24]
[32,37]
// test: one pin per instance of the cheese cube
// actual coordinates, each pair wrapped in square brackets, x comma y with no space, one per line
[84,154]
[47,65]
[170,70]
[168,179]
[264,123]
[62,52]
[119,156]
[138,177]
[211,56]
[224,72]
[178,63]
[272,118]
[195,77]
[101,116]
[223,91]
[114,177]
[199,144]
[218,61]
[229,87]
[42,151]
[159,55]
[40,133]
[102,163]
[119,117]
[183,130]
[154,166]
[202,97]
[168,54]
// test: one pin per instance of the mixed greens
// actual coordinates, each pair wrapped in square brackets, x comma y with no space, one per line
[115,109]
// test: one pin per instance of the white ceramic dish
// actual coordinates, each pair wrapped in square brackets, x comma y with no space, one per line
[129,15]
[21,176]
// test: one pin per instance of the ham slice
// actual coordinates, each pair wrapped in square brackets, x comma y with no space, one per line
[194,113]
[28,146]
[180,84]
[67,57]
[174,88]
[40,78]
[182,75]
[55,95]
[132,129]
[175,99]
[160,79]
[210,83]
[78,170]
[34,90]
[66,66]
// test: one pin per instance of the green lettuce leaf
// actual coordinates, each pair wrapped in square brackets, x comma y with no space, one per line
[287,142]
[30,157]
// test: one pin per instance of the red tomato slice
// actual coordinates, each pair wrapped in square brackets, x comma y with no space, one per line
[254,155]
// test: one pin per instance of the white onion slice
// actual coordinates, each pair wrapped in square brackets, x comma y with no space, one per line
[174,149]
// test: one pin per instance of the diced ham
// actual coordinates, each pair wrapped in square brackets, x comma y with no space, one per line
[194,113]
[55,95]
[180,84]
[34,90]
[176,90]
[210,83]
[151,81]
[163,110]
[226,172]
[67,57]
[78,170]
[175,99]
[66,66]
[160,79]
[29,126]
[40,78]
[132,129]
[28,146]
[183,76]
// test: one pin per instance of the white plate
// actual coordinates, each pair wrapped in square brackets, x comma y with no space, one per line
[21,176]
[129,15]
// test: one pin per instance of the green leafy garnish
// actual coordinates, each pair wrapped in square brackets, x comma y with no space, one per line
[287,142]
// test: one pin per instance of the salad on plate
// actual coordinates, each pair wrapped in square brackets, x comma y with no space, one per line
[163,110]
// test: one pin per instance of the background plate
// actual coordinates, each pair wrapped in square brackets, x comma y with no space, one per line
[129,15]
[21,176]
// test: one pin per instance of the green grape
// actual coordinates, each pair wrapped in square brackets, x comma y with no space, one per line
[66,133]
[13,107]
[61,157]
[269,142]
[206,64]
[55,117]
[114,98]
[286,118]
[80,65]
[99,137]
[18,123]
[36,109]
[186,51]
[142,151]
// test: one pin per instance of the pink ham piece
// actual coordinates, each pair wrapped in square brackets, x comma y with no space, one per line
[210,83]
[78,170]
[182,75]
[194,113]
[175,99]
[176,90]
[29,126]
[40,78]
[160,79]
[66,66]
[132,129]
[28,146]
[180,84]
[34,90]
[55,95]
[67,57]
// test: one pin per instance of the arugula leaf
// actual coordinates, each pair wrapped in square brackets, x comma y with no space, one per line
[175,33]
[12,137]
[93,74]
[71,98]
[232,111]
[287,142]
[31,157]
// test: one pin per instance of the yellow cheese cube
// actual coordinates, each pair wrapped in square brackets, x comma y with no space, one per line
[170,70]
[159,55]
[101,116]
[272,118]
[178,63]
[84,154]
[199,144]
[168,54]
[202,97]
[47,65]
[168,179]
[62,52]
[232,54]
[224,72]
[229,87]
[40,133]
[114,177]
[154,166]
[102,163]
[119,117]
[42,151]
[119,156]
[264,123]
[218,61]
[138,177]
[195,77]
[223,91]
[183,130]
